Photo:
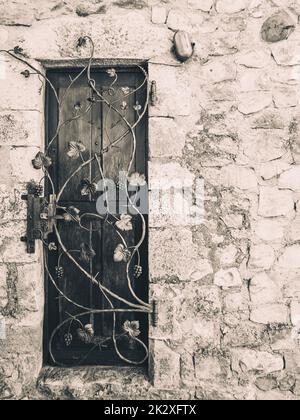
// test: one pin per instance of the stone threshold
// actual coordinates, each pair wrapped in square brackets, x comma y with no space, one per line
[93,383]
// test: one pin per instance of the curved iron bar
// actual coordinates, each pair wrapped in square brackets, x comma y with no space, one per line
[140,306]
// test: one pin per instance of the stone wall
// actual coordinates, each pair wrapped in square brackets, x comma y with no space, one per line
[228,290]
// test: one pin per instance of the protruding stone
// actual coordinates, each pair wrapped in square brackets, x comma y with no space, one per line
[277,27]
[228,278]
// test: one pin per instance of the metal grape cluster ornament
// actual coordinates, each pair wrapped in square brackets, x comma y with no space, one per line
[50,212]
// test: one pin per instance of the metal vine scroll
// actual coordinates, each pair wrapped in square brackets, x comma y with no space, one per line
[47,214]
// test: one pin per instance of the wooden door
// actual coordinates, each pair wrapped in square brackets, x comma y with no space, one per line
[83,152]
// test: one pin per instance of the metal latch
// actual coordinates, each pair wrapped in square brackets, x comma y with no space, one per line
[155,313]
[153,93]
[40,216]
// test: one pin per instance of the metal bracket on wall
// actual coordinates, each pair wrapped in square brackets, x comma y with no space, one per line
[40,216]
[153,93]
[155,314]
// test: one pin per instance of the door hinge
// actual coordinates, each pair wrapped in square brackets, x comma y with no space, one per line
[155,313]
[40,216]
[153,93]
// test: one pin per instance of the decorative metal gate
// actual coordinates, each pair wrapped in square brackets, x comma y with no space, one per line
[97,306]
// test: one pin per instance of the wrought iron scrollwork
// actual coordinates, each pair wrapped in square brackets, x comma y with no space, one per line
[43,216]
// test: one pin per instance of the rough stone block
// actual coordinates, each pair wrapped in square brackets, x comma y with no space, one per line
[218,71]
[244,333]
[254,58]
[165,366]
[286,53]
[19,128]
[290,258]
[18,13]
[285,97]
[200,333]
[29,342]
[274,202]
[269,170]
[12,249]
[228,255]
[30,287]
[180,258]
[237,301]
[166,138]
[234,221]
[292,360]
[174,200]
[187,371]
[268,120]
[238,177]
[12,207]
[228,278]
[173,92]
[180,20]
[229,6]
[234,23]
[3,286]
[246,360]
[17,92]
[264,290]
[269,230]
[252,102]
[253,80]
[21,168]
[295,313]
[270,314]
[263,145]
[204,5]
[159,14]
[261,257]
[207,368]
[290,179]
[293,232]
[278,27]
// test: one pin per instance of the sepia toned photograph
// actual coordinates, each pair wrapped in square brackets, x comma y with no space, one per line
[149,203]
